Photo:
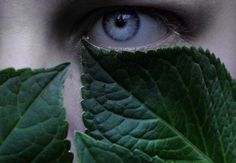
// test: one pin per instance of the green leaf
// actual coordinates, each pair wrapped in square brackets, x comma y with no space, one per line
[176,104]
[32,117]
[93,151]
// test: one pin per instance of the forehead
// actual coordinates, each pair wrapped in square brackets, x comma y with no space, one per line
[12,6]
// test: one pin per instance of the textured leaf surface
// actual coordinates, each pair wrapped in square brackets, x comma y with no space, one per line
[175,104]
[32,117]
[93,151]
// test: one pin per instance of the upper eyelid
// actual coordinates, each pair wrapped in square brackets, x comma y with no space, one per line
[97,13]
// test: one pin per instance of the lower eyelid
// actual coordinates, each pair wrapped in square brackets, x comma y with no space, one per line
[174,40]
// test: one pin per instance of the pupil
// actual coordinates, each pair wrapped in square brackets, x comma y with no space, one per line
[120,21]
[121,25]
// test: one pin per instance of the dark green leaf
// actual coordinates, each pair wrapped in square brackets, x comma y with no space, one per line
[175,104]
[93,151]
[32,117]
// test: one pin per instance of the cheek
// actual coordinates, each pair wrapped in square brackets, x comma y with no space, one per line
[228,57]
[220,37]
[224,50]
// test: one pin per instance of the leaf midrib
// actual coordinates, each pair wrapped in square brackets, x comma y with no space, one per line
[27,109]
[163,121]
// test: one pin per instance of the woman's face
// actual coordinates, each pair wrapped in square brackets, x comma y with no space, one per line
[37,33]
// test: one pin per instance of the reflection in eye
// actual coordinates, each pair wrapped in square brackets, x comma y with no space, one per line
[132,28]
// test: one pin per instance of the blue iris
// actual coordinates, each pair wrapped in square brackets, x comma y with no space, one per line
[121,25]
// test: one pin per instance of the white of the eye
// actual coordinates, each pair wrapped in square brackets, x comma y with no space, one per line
[151,30]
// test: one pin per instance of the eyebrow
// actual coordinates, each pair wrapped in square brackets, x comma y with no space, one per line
[169,3]
[193,9]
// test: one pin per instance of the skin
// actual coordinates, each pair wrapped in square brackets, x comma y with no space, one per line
[36,34]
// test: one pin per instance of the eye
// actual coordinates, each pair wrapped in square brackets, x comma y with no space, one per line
[132,28]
